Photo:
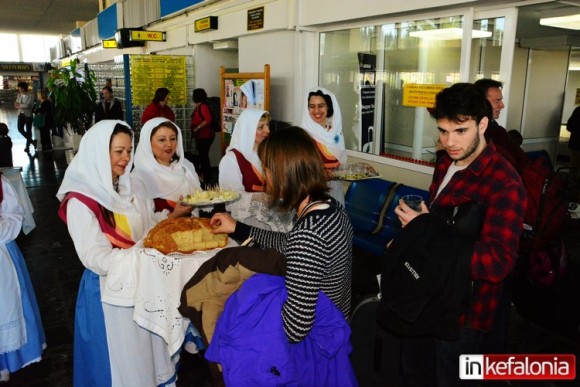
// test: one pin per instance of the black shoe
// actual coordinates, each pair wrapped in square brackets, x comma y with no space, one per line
[34,143]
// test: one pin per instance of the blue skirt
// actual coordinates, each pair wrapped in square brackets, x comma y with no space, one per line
[36,341]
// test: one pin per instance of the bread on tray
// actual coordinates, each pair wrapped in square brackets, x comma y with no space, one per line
[184,235]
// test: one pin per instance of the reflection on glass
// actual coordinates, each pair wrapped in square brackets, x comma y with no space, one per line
[368,67]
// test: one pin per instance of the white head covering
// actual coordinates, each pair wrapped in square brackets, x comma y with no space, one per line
[89,172]
[333,138]
[161,181]
[244,136]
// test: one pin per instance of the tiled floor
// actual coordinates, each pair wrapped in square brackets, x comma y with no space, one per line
[55,272]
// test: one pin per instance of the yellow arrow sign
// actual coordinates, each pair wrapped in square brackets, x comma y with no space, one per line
[152,36]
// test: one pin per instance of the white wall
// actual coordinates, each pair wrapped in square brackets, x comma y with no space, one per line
[276,49]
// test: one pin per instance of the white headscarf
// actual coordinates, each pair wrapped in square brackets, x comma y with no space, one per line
[89,172]
[244,136]
[333,139]
[161,181]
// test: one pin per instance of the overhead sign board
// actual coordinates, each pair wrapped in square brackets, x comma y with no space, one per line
[209,23]
[147,36]
[16,67]
[109,43]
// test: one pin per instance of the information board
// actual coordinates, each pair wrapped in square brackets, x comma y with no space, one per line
[150,72]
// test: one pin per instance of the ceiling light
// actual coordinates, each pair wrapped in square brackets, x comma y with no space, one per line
[448,34]
[570,22]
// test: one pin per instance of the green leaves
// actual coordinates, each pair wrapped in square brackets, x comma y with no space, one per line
[74,96]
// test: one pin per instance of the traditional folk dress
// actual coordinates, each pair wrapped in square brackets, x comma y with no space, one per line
[22,338]
[329,140]
[110,349]
[162,184]
[241,170]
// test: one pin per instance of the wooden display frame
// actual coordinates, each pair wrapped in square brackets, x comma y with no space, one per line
[232,98]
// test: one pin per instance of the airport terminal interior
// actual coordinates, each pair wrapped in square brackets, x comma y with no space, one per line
[281,48]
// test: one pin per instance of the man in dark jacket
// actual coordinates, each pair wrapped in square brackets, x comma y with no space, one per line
[496,133]
[109,108]
[470,170]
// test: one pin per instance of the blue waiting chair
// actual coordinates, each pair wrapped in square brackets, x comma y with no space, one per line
[364,201]
[388,224]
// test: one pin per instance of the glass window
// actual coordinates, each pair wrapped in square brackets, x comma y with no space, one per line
[369,67]
[9,52]
[36,48]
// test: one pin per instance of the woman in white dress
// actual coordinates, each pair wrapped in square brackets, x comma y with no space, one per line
[105,220]
[323,121]
[22,338]
[241,170]
[162,174]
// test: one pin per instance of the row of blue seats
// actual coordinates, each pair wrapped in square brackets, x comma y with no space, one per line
[370,205]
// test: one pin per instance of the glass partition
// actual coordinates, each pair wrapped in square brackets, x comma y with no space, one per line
[369,69]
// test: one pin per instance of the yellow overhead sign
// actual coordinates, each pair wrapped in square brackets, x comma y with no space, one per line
[109,43]
[150,36]
[420,95]
[209,23]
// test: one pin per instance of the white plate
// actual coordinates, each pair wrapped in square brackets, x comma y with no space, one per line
[209,202]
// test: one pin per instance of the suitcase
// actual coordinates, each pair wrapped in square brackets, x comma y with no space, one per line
[375,352]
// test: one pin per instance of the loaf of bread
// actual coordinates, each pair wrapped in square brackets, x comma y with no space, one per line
[184,235]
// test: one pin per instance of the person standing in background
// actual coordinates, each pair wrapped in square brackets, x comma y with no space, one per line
[158,106]
[24,103]
[46,110]
[573,126]
[513,153]
[203,133]
[109,108]
[5,146]
[323,121]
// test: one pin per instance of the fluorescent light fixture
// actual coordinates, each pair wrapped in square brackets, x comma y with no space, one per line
[570,22]
[448,34]
[226,45]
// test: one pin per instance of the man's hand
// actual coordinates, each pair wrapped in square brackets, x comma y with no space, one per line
[407,214]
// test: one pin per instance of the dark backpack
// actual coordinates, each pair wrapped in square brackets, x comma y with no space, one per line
[214,107]
[547,210]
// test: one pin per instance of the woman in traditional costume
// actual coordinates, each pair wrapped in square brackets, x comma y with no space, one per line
[323,121]
[22,338]
[162,174]
[105,220]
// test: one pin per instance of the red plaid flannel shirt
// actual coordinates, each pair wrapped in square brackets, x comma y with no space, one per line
[492,181]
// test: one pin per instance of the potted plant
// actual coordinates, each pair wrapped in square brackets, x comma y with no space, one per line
[74,96]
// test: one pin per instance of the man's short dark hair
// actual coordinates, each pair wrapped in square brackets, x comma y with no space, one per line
[109,89]
[461,102]
[23,85]
[487,83]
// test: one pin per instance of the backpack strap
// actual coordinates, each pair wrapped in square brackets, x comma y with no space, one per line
[385,208]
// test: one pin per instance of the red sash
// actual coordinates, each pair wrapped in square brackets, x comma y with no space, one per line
[163,204]
[328,159]
[117,237]
[252,179]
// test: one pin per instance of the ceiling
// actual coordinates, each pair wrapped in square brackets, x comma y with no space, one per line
[60,16]
[48,17]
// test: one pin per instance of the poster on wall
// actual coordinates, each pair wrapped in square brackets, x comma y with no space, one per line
[367,68]
[150,72]
[241,94]
[367,119]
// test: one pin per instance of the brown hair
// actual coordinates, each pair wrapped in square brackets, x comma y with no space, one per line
[295,168]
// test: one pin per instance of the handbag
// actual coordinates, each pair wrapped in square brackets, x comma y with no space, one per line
[38,120]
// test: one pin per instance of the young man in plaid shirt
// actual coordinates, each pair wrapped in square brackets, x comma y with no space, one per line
[470,169]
